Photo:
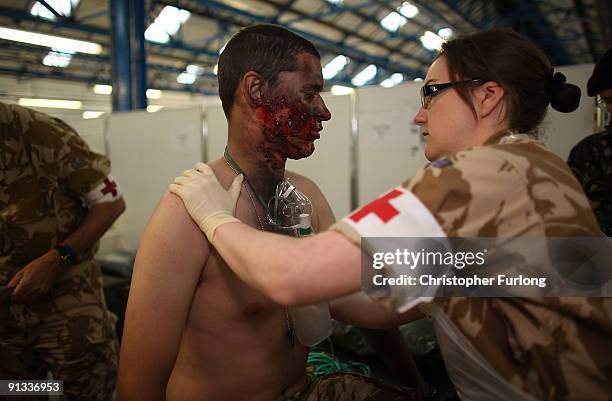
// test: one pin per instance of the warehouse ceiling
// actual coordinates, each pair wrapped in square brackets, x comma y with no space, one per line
[383,42]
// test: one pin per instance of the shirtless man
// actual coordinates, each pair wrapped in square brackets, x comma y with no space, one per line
[193,330]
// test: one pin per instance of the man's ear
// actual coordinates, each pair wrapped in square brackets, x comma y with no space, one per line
[489,98]
[253,86]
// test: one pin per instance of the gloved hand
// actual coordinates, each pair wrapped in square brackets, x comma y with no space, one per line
[207,202]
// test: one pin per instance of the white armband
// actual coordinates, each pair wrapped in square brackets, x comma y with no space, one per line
[106,191]
[398,213]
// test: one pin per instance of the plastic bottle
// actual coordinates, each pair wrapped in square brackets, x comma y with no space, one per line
[312,323]
[305,225]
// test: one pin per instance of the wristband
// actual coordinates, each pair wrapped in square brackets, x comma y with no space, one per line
[67,254]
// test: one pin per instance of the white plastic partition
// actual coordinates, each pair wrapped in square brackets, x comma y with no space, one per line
[563,131]
[215,132]
[147,151]
[329,166]
[92,132]
[390,145]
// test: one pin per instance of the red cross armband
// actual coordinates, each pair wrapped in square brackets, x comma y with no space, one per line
[106,191]
[380,225]
[398,213]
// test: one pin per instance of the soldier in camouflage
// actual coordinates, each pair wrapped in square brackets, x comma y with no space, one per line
[57,199]
[591,158]
[484,96]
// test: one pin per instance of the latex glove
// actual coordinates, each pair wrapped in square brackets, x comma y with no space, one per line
[36,278]
[207,202]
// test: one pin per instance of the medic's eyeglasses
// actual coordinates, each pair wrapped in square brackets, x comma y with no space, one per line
[429,91]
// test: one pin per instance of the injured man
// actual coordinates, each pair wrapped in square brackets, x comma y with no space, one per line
[193,330]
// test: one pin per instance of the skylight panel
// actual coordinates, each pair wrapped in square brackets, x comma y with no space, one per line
[393,21]
[365,75]
[63,7]
[167,23]
[431,41]
[408,10]
[57,58]
[393,80]
[335,66]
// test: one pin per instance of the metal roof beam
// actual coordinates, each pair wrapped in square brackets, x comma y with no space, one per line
[95,59]
[161,48]
[586,28]
[540,31]
[90,79]
[453,5]
[321,41]
[332,9]
[93,15]
[20,16]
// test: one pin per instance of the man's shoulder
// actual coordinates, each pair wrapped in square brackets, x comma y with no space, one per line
[172,214]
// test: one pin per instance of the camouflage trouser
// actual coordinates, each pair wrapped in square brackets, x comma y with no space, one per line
[352,387]
[69,333]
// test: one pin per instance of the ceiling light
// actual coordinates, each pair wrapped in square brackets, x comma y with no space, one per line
[190,74]
[57,59]
[335,66]
[194,69]
[445,33]
[186,78]
[103,89]
[63,7]
[167,23]
[408,10]
[392,80]
[51,103]
[393,21]
[92,114]
[154,93]
[64,45]
[365,75]
[431,41]
[341,90]
[155,33]
[152,108]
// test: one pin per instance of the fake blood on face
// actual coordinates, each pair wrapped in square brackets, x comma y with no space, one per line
[289,129]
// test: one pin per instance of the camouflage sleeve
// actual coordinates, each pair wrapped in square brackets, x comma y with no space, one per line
[470,193]
[581,160]
[67,155]
[465,194]
[590,161]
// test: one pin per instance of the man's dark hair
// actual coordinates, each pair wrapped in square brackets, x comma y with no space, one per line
[266,49]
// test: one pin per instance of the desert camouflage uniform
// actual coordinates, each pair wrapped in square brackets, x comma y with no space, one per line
[46,167]
[550,348]
[591,161]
